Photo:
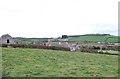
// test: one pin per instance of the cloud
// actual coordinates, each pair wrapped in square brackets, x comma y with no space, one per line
[53,18]
[105,28]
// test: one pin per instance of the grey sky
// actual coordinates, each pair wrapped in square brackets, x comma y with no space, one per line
[53,18]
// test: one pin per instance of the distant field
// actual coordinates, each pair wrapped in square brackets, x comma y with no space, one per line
[21,62]
[95,38]
[78,39]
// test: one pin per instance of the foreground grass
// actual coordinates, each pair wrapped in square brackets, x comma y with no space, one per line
[21,62]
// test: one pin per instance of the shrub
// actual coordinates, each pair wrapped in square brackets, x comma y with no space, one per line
[96,47]
[36,46]
[64,36]
[4,45]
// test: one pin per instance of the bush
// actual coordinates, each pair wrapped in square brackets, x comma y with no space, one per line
[4,45]
[115,48]
[64,36]
[36,46]
[86,49]
[96,47]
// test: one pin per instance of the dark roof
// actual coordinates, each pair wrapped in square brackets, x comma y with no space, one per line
[6,35]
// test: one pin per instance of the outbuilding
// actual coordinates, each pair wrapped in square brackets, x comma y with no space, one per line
[7,39]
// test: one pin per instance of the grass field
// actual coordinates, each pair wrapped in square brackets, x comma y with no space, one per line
[19,62]
[95,38]
[78,39]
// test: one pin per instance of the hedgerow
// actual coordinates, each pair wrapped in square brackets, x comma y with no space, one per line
[35,46]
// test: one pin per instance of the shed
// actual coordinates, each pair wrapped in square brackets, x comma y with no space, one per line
[7,39]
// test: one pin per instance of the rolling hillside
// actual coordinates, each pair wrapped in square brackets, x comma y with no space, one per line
[95,38]
[80,38]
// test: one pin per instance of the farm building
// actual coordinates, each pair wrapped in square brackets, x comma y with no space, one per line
[72,45]
[117,44]
[7,39]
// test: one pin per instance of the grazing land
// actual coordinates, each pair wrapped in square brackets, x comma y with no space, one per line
[77,39]
[23,62]
[95,38]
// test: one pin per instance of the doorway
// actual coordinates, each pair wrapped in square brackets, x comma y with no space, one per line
[8,41]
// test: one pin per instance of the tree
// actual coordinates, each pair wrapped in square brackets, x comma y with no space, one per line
[64,36]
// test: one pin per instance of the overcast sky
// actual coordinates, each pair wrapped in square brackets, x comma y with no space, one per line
[53,18]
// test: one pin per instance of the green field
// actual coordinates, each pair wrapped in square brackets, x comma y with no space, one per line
[19,62]
[78,39]
[95,38]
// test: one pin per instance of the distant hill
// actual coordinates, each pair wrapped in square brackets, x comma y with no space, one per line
[66,36]
[77,38]
[94,38]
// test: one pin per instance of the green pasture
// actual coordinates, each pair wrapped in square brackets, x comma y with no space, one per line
[95,38]
[24,62]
